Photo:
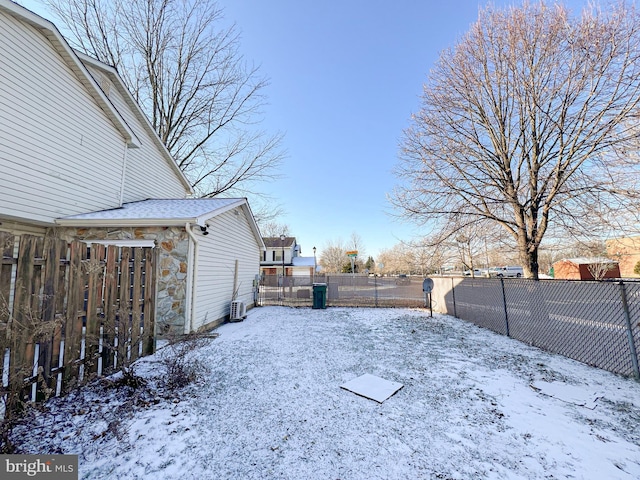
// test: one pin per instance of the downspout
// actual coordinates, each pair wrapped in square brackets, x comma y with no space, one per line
[191,281]
[124,173]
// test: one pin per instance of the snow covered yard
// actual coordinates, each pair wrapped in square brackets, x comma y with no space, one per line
[269,405]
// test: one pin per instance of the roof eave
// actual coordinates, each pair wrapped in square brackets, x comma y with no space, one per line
[129,222]
[244,204]
[51,32]
[214,213]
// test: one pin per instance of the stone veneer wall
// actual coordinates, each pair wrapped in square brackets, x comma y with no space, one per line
[173,245]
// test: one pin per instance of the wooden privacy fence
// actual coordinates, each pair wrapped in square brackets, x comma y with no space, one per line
[70,311]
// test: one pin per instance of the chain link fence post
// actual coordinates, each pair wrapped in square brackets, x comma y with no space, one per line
[632,345]
[453,295]
[504,304]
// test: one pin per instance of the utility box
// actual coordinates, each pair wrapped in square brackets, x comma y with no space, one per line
[319,295]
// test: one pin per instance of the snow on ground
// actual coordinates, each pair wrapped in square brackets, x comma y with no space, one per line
[270,406]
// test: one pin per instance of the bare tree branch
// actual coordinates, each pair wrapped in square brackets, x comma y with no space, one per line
[185,69]
[522,125]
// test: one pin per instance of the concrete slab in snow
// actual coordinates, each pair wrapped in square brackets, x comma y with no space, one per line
[372,387]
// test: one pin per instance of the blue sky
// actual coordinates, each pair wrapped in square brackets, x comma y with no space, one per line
[345,77]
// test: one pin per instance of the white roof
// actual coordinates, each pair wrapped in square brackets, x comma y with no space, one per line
[156,212]
[163,212]
[303,262]
[590,260]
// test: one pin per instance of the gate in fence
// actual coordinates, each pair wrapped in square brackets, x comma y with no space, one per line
[70,311]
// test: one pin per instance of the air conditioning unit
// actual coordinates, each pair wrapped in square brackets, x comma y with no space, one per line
[238,311]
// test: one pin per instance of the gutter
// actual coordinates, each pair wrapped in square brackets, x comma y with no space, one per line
[191,281]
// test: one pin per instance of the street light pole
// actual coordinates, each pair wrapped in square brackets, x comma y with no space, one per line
[313,277]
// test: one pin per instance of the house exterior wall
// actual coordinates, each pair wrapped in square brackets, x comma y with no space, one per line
[271,259]
[627,251]
[148,175]
[59,152]
[571,271]
[566,270]
[294,271]
[172,244]
[302,271]
[230,240]
[273,255]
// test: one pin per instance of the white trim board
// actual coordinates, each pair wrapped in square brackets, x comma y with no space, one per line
[124,243]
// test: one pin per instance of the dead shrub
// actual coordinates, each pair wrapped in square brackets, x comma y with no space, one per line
[180,367]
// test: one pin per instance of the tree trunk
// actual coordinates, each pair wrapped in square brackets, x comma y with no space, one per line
[529,260]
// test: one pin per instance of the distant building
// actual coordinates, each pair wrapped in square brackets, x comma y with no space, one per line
[586,269]
[293,263]
[627,251]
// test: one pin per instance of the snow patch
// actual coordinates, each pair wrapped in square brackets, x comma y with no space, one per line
[567,393]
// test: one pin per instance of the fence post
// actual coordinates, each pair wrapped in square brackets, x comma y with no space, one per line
[627,316]
[375,287]
[504,304]
[453,295]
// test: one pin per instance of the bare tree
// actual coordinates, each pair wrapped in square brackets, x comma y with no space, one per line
[526,124]
[600,267]
[356,243]
[183,66]
[274,229]
[397,259]
[595,252]
[333,256]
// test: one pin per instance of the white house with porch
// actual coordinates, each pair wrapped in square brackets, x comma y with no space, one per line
[283,257]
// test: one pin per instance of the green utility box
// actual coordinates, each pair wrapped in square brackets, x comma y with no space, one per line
[319,295]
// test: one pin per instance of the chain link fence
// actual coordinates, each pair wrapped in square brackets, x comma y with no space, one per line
[343,290]
[596,323]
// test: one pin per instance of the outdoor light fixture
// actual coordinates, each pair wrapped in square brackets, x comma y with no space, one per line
[204,230]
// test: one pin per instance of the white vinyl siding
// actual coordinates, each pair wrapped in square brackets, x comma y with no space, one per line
[59,153]
[230,238]
[148,174]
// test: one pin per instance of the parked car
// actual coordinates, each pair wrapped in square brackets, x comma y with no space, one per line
[506,271]
[476,273]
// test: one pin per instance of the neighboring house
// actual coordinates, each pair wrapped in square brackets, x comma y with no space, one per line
[293,264]
[627,251]
[79,160]
[586,269]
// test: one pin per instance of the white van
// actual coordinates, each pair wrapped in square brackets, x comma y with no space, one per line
[506,271]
